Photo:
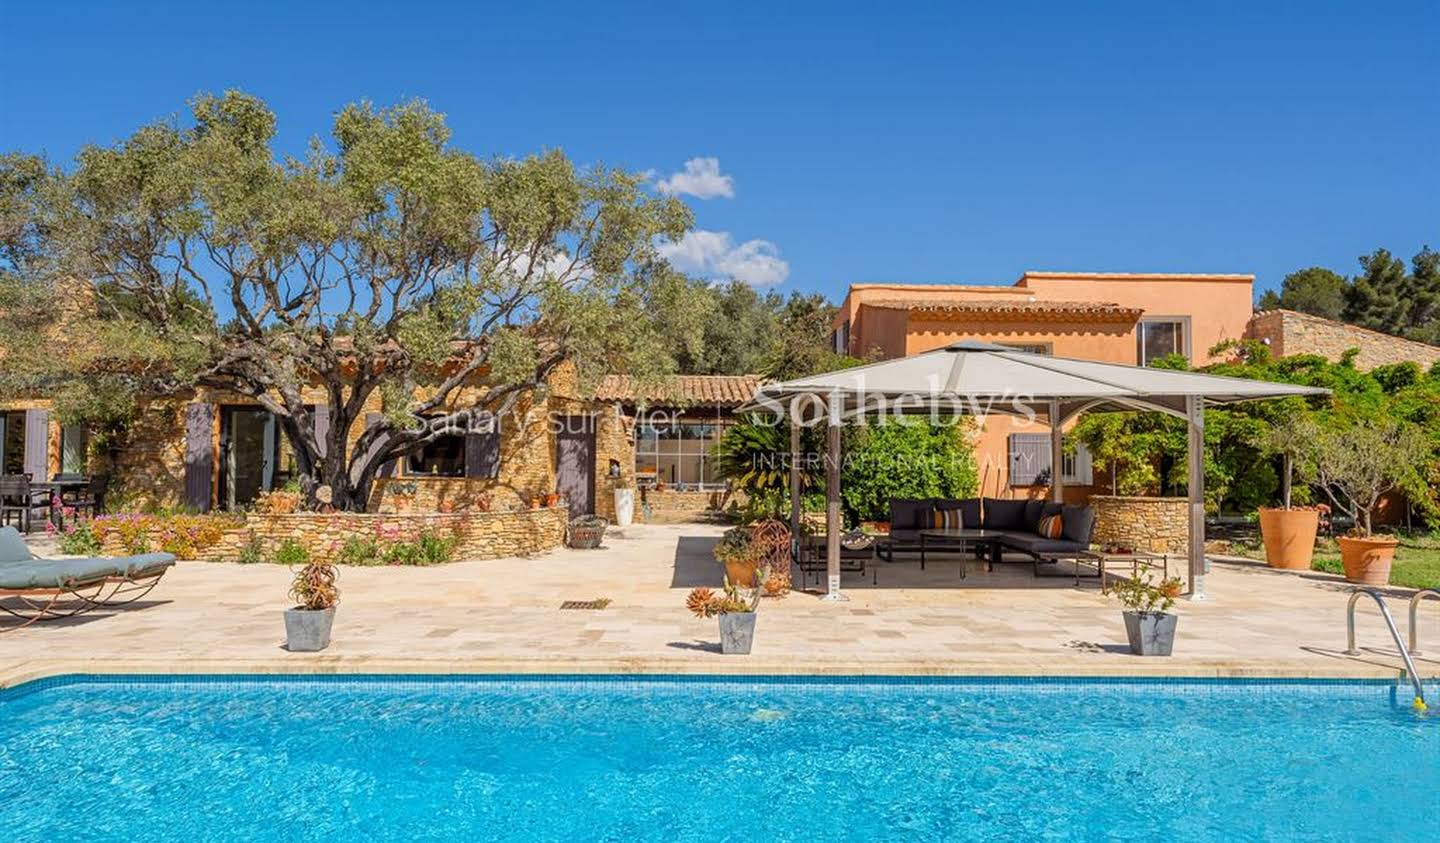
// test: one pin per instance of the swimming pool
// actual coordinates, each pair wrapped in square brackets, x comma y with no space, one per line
[685,758]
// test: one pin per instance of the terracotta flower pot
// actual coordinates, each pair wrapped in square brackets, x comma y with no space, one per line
[1367,560]
[742,571]
[1289,537]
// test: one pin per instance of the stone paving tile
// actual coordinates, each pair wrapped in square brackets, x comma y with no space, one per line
[503,615]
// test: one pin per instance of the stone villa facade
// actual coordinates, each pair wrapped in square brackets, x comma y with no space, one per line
[212,450]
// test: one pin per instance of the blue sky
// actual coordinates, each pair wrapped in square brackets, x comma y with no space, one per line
[880,141]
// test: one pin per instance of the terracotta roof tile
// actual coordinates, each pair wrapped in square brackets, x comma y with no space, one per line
[710,390]
[1043,309]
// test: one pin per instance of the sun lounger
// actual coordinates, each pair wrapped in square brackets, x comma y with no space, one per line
[56,588]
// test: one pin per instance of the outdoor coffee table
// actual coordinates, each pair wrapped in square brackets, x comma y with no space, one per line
[962,537]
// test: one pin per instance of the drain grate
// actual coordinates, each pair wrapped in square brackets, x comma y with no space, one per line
[586,604]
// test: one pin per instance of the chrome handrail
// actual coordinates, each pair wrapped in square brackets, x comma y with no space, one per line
[1415,616]
[1394,633]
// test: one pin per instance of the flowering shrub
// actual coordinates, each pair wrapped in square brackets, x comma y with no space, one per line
[76,538]
[183,535]
[396,545]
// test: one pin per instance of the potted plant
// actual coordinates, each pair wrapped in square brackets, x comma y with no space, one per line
[735,607]
[1148,622]
[587,531]
[308,624]
[1289,531]
[1356,465]
[624,501]
[739,553]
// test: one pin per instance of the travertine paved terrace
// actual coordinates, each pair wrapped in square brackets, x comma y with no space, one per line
[503,616]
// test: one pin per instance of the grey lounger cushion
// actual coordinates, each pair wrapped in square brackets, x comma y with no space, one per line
[129,566]
[53,573]
[13,547]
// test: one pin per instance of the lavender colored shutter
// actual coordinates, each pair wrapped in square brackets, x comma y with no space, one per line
[322,426]
[482,452]
[37,444]
[387,468]
[1029,458]
[199,455]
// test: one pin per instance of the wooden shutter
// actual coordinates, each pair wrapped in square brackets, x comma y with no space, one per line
[37,444]
[1029,458]
[482,449]
[321,414]
[387,468]
[199,455]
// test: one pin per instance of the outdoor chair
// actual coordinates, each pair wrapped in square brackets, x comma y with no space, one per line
[34,589]
[20,503]
[90,498]
[811,559]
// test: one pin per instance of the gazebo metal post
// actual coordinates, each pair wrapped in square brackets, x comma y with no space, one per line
[795,541]
[1195,421]
[1057,454]
[832,499]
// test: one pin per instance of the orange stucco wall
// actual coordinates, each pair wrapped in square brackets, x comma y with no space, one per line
[1217,306]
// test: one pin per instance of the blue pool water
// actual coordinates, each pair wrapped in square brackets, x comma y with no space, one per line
[685,760]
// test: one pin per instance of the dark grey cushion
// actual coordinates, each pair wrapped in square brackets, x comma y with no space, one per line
[904,537]
[1033,508]
[910,514]
[969,510]
[1077,523]
[1004,515]
[1031,543]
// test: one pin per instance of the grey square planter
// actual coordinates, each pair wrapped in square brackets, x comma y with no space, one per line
[737,633]
[1150,634]
[308,630]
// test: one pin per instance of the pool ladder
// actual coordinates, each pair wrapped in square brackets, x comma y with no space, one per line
[1350,650]
[1415,616]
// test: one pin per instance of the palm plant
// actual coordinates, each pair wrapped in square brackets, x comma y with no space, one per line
[754,456]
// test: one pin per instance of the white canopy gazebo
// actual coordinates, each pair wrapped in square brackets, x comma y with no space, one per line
[973,378]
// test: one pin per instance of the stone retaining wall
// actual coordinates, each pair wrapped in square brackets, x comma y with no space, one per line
[1157,525]
[675,505]
[482,535]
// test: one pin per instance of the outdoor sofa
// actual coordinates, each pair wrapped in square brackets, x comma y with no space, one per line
[33,589]
[1011,525]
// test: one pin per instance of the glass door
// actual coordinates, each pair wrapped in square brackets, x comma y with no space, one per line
[249,453]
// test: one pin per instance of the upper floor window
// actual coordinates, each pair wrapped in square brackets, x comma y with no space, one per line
[1157,337]
[840,338]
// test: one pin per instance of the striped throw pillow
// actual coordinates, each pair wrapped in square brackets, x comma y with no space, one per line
[1051,527]
[948,519]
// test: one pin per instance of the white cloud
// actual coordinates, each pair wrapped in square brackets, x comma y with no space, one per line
[554,264]
[714,254]
[701,179]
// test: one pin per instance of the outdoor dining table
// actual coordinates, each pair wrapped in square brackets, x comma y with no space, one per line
[964,538]
[57,489]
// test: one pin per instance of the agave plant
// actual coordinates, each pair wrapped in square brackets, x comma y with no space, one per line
[705,603]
